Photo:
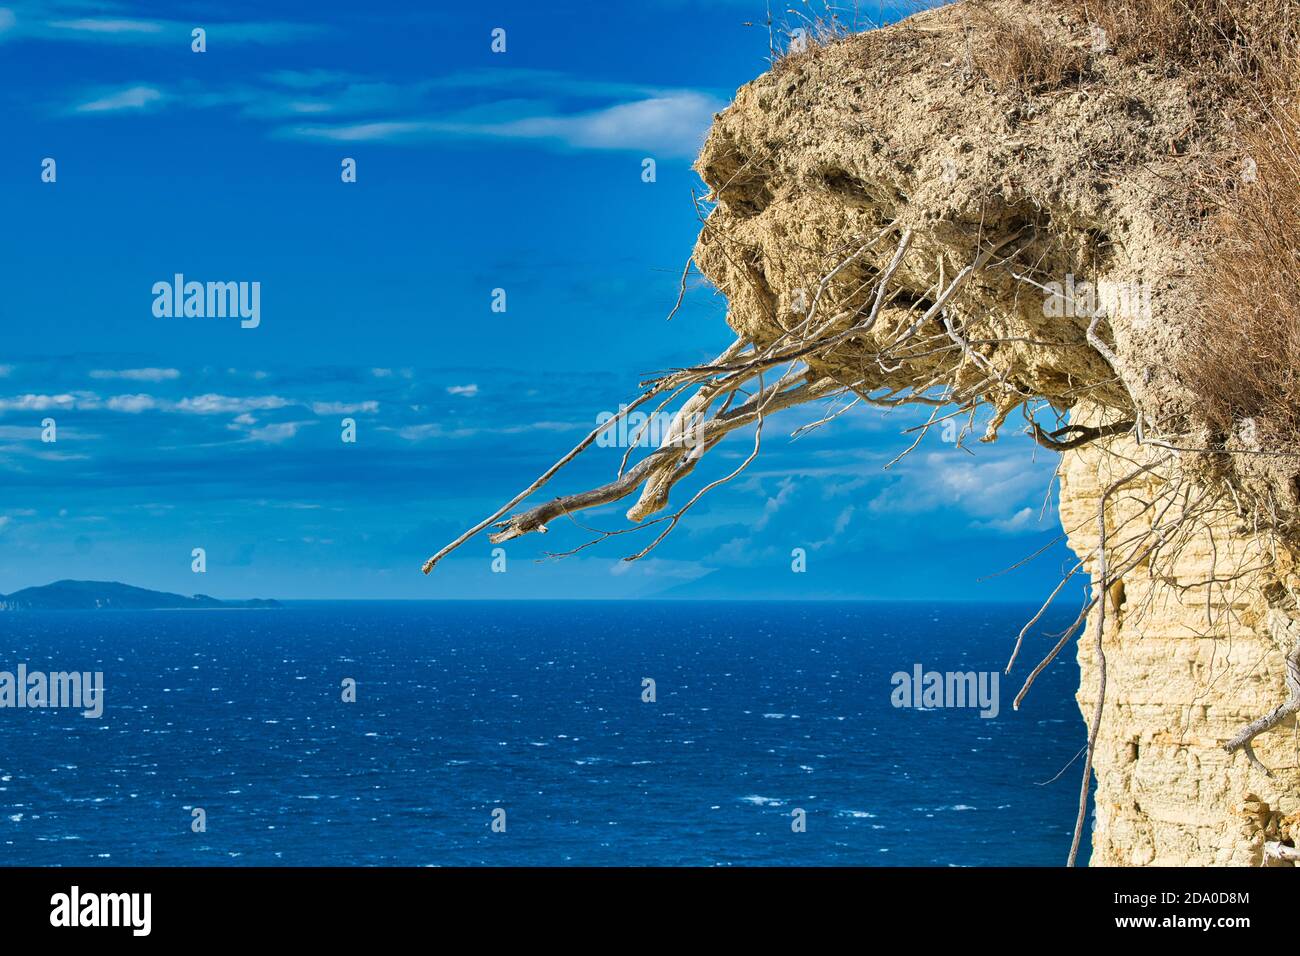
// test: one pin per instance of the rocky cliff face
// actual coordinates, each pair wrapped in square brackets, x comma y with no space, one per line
[1195,643]
[884,198]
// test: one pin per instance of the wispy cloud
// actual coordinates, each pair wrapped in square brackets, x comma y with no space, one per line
[78,22]
[102,25]
[429,430]
[775,503]
[132,404]
[344,408]
[983,488]
[1023,521]
[674,124]
[555,109]
[277,432]
[842,522]
[131,98]
[37,403]
[137,374]
[212,404]
[670,125]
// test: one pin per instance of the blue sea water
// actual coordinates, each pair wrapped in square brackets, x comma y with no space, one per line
[535,708]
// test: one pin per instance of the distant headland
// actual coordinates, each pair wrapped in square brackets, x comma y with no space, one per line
[112,596]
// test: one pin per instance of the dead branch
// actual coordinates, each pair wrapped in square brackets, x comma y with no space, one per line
[663,465]
[1080,435]
[1277,850]
[1245,739]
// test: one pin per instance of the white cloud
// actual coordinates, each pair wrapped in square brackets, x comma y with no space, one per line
[434,430]
[983,488]
[137,374]
[666,569]
[131,98]
[211,404]
[344,408]
[536,106]
[842,521]
[127,30]
[385,131]
[741,552]
[100,25]
[671,124]
[278,432]
[784,493]
[1024,520]
[37,403]
[132,404]
[469,391]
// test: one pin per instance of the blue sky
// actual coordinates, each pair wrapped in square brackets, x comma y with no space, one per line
[475,171]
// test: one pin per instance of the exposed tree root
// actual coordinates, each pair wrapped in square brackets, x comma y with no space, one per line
[1245,739]
[1277,850]
[813,343]
[1099,648]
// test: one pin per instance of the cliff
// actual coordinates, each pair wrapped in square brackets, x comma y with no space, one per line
[1196,644]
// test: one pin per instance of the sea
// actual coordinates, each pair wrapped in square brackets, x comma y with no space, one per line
[538,733]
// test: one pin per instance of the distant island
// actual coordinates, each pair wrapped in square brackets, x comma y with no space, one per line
[112,596]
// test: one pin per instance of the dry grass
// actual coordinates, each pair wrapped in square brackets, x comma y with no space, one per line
[1226,37]
[805,27]
[797,29]
[1243,357]
[1017,54]
[1246,365]
[1222,41]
